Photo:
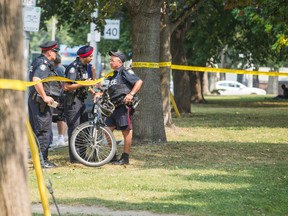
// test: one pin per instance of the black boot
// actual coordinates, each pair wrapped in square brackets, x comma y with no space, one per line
[123,160]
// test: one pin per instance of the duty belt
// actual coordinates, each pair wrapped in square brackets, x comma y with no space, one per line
[118,101]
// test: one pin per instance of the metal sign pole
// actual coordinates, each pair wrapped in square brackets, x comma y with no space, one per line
[93,42]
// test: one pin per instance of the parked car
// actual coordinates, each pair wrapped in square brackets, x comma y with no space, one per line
[235,88]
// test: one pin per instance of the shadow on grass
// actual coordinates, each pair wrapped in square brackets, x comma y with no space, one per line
[244,101]
[196,178]
[203,179]
[232,194]
[190,154]
[236,179]
[236,111]
[229,117]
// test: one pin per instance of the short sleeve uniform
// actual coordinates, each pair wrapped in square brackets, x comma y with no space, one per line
[71,72]
[41,68]
[121,117]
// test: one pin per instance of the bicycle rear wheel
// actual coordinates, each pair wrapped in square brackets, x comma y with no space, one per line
[93,145]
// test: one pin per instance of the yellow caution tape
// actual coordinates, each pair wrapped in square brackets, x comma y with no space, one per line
[165,64]
[174,105]
[145,65]
[37,165]
[13,84]
[20,85]
[225,70]
[203,69]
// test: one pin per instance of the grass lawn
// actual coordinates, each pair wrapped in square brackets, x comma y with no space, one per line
[228,157]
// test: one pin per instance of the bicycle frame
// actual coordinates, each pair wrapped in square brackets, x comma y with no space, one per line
[92,143]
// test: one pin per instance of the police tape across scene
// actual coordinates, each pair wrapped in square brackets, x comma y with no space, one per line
[22,85]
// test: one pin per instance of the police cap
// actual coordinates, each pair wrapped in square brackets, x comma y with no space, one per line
[50,45]
[85,51]
[118,54]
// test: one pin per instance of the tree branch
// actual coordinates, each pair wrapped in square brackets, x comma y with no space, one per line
[186,13]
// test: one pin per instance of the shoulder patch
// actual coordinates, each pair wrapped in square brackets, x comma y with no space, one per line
[31,69]
[43,67]
[72,70]
[130,71]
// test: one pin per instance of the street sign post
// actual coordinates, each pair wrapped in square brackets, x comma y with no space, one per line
[112,29]
[97,37]
[31,18]
[29,3]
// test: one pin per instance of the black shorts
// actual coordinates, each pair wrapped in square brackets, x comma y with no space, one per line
[58,114]
[120,118]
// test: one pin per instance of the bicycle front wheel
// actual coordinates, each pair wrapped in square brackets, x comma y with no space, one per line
[93,145]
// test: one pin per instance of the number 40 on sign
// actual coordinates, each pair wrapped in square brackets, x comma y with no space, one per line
[112,29]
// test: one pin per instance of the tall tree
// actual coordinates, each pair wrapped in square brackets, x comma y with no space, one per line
[149,124]
[181,78]
[165,56]
[205,39]
[174,17]
[262,31]
[262,34]
[14,193]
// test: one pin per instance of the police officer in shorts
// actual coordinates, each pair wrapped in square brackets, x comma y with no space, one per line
[42,96]
[123,86]
[75,94]
[58,115]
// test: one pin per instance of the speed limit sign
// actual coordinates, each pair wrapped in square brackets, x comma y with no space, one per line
[112,29]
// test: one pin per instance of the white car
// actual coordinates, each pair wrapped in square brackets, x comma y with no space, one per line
[235,88]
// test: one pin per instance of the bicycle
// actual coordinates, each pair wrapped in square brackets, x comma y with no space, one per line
[92,143]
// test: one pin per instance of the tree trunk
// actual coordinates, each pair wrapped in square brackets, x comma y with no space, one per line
[211,79]
[223,62]
[273,83]
[165,56]
[14,193]
[148,118]
[182,93]
[206,88]
[196,80]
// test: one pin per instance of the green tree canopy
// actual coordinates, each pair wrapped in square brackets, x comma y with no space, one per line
[262,33]
[73,23]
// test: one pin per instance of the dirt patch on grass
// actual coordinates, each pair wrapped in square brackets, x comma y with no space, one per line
[92,210]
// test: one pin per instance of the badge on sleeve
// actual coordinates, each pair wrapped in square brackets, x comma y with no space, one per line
[130,71]
[43,67]
[72,70]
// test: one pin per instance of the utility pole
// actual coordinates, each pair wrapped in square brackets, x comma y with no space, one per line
[53,28]
[93,42]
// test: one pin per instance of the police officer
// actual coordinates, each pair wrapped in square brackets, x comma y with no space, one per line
[123,86]
[42,95]
[75,94]
[58,115]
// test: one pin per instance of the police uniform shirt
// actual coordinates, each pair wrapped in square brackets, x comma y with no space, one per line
[41,68]
[60,70]
[76,71]
[129,76]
